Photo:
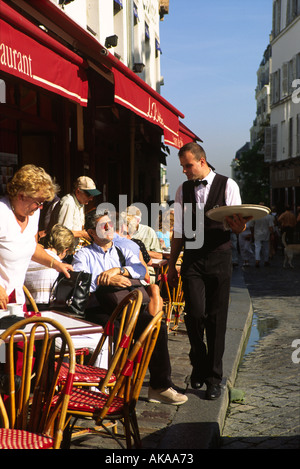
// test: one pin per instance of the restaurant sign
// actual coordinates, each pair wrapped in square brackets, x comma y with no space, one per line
[25,58]
[129,94]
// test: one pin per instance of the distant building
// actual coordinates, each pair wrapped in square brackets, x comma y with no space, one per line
[262,96]
[282,138]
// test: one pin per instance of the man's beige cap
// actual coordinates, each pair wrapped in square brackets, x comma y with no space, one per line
[87,184]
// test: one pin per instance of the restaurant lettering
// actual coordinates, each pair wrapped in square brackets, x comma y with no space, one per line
[13,59]
[153,112]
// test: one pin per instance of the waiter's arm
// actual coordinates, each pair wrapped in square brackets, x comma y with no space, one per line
[176,246]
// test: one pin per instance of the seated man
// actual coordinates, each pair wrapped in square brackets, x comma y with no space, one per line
[146,234]
[102,260]
[137,246]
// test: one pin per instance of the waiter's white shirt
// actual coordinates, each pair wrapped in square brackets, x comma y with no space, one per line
[232,197]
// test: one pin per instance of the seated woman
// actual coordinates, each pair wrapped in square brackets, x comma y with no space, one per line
[39,279]
[164,230]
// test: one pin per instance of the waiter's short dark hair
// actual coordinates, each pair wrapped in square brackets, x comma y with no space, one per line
[194,148]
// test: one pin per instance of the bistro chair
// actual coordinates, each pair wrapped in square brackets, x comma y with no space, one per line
[119,405]
[30,299]
[29,418]
[177,305]
[125,314]
[79,352]
[173,300]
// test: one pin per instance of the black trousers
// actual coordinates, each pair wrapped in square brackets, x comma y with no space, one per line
[159,365]
[206,285]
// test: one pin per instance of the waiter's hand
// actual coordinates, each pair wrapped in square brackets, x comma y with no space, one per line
[3,298]
[237,223]
[173,277]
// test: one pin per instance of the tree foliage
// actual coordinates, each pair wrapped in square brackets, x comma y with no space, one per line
[252,175]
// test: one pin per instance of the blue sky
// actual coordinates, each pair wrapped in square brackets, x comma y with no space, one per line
[211,50]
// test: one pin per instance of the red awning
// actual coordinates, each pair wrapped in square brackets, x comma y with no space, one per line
[129,94]
[185,135]
[130,90]
[25,58]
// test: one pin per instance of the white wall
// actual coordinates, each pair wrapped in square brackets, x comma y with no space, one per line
[132,47]
[284,48]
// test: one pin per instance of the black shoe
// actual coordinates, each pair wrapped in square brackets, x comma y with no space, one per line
[213,391]
[4,384]
[196,382]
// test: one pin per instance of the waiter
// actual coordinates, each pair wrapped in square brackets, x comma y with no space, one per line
[206,267]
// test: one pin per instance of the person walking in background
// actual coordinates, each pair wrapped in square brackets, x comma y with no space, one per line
[245,243]
[275,235]
[287,223]
[206,271]
[262,230]
[234,249]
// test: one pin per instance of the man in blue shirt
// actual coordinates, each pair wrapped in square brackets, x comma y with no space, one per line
[102,260]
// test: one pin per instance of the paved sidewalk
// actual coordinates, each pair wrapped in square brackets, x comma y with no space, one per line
[198,423]
[269,415]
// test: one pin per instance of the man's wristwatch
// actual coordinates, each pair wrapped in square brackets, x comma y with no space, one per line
[122,270]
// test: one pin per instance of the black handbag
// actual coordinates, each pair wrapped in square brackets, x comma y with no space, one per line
[71,295]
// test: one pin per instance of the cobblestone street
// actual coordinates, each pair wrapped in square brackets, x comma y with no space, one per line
[269,415]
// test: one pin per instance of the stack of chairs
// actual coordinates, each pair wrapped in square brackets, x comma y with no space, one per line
[119,404]
[173,302]
[29,418]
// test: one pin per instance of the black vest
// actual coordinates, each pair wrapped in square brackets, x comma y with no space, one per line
[216,238]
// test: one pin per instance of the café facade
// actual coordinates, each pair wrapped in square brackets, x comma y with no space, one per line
[69,105]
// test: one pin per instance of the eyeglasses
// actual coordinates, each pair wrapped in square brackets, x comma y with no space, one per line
[39,204]
[104,224]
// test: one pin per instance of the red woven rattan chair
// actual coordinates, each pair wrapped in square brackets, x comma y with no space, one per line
[28,417]
[126,313]
[120,403]
[81,352]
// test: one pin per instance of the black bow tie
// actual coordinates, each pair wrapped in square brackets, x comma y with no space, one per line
[197,182]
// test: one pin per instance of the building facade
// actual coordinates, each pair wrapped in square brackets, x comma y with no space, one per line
[80,94]
[262,97]
[283,136]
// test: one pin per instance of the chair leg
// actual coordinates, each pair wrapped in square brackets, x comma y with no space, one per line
[135,430]
[67,436]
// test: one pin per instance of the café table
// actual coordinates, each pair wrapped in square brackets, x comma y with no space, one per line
[81,331]
[159,265]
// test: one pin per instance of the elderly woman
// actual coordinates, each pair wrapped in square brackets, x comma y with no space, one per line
[29,188]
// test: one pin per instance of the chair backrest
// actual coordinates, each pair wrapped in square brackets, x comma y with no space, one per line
[30,347]
[119,332]
[130,381]
[30,299]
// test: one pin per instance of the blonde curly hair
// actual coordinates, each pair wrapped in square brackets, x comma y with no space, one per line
[32,181]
